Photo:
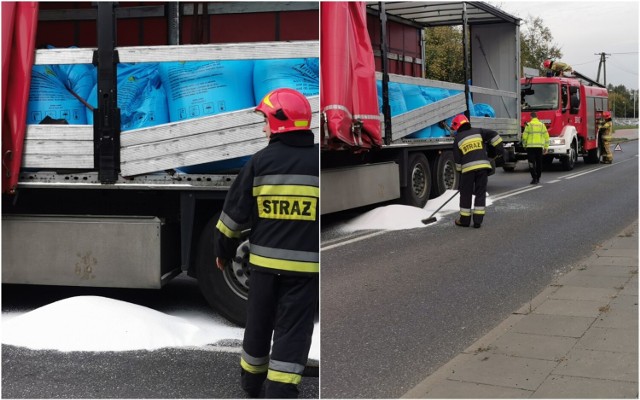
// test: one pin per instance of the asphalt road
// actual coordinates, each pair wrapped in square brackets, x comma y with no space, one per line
[203,372]
[398,305]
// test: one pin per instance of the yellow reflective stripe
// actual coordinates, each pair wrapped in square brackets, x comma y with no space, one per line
[253,369]
[284,377]
[285,265]
[465,214]
[300,123]
[479,212]
[286,190]
[230,233]
[474,167]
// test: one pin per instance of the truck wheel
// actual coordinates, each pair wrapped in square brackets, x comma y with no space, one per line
[445,176]
[569,161]
[418,188]
[593,155]
[226,291]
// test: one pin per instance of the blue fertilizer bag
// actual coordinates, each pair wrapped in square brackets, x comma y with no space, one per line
[396,98]
[50,92]
[301,74]
[413,98]
[204,88]
[141,97]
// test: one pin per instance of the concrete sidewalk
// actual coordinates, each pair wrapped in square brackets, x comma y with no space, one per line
[576,339]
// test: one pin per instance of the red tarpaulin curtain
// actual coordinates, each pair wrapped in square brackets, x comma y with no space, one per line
[19,21]
[348,82]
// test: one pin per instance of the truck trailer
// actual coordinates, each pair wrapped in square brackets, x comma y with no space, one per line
[91,205]
[368,154]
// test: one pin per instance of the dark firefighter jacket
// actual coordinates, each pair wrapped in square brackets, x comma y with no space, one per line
[276,194]
[470,150]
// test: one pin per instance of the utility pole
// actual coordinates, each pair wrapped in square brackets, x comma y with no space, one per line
[603,65]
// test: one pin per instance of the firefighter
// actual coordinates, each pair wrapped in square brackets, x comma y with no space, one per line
[535,139]
[276,194]
[470,157]
[605,133]
[558,67]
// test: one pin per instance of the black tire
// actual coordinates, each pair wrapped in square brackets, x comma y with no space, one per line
[569,161]
[223,290]
[593,155]
[418,188]
[445,176]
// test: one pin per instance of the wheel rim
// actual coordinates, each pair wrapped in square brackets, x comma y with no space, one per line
[449,176]
[237,276]
[419,181]
[574,156]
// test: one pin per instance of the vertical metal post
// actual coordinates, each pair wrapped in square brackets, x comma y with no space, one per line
[173,16]
[106,117]
[465,61]
[386,107]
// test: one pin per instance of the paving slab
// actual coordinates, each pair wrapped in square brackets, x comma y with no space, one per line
[600,365]
[608,252]
[611,270]
[574,308]
[625,302]
[626,242]
[622,261]
[595,281]
[610,339]
[542,347]
[528,307]
[500,370]
[618,318]
[556,325]
[582,293]
[573,387]
[450,389]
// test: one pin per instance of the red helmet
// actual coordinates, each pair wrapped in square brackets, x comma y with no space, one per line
[458,121]
[547,63]
[606,114]
[286,110]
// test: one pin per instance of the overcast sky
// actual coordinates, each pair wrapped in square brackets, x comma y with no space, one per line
[583,28]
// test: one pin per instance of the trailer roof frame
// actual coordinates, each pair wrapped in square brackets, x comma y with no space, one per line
[422,14]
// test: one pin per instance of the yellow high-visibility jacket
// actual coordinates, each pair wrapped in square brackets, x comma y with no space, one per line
[535,135]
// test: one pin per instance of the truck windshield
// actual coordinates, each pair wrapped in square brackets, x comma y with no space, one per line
[540,96]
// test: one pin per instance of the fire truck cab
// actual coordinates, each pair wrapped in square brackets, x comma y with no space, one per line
[570,108]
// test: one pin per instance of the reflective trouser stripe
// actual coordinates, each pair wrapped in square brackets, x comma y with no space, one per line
[479,211]
[465,212]
[284,377]
[254,365]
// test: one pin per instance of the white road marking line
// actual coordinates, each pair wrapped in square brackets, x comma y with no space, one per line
[333,246]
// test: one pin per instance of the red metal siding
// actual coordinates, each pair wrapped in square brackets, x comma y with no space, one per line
[299,25]
[402,40]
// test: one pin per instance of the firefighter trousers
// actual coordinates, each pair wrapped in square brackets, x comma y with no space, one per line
[607,157]
[473,183]
[282,306]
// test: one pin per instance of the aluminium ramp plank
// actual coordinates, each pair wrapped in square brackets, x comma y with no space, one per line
[419,118]
[58,146]
[203,140]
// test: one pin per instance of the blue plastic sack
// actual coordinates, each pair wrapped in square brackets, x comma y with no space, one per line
[49,94]
[204,88]
[396,98]
[434,94]
[141,97]
[484,110]
[301,74]
[413,98]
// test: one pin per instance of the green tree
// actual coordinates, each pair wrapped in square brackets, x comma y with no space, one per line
[444,55]
[621,101]
[536,43]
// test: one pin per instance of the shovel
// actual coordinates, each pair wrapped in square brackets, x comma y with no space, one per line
[433,219]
